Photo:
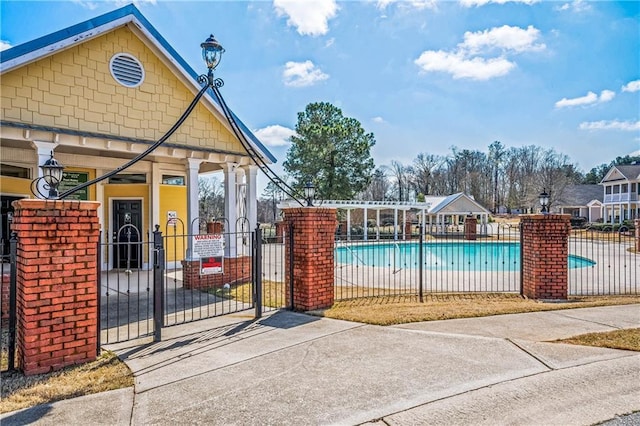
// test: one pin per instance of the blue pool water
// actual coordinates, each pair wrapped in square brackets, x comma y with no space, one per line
[456,256]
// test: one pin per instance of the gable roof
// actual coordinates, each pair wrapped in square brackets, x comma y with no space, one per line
[453,198]
[580,195]
[628,171]
[41,47]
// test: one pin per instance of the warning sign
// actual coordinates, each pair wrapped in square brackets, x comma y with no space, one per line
[210,249]
[211,265]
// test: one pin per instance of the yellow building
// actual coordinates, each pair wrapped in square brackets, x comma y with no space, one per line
[99,93]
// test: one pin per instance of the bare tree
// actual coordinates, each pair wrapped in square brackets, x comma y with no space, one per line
[378,187]
[211,198]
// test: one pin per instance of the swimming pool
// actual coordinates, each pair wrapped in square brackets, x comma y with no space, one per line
[450,256]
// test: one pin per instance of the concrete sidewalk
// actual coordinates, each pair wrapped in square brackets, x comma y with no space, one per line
[290,368]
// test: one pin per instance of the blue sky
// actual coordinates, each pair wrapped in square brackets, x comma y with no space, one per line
[423,76]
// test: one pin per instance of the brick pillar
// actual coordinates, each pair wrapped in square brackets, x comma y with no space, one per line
[407,230]
[313,257]
[57,295]
[280,230]
[470,228]
[545,253]
[637,226]
[215,227]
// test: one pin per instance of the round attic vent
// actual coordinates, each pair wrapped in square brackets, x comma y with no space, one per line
[127,70]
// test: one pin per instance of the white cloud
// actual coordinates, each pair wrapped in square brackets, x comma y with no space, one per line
[330,42]
[308,17]
[606,96]
[378,120]
[461,67]
[4,45]
[469,59]
[477,3]
[301,74]
[415,4]
[577,6]
[91,5]
[628,126]
[274,135]
[506,38]
[588,99]
[632,86]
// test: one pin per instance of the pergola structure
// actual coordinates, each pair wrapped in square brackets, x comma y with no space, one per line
[438,215]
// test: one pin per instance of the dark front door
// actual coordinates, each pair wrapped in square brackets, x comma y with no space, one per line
[7,215]
[127,234]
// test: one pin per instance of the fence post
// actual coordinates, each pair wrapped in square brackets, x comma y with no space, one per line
[99,289]
[257,271]
[158,284]
[13,275]
[421,260]
[520,229]
[290,258]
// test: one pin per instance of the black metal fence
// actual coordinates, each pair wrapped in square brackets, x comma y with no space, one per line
[201,285]
[125,285]
[442,262]
[180,277]
[603,262]
[272,268]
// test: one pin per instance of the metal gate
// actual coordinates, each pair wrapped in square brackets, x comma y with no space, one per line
[184,277]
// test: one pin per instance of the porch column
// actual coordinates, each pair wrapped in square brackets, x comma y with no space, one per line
[156,180]
[250,176]
[44,150]
[366,225]
[230,207]
[191,226]
[241,211]
[395,223]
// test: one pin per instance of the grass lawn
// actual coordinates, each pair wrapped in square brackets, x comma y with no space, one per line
[105,373]
[109,373]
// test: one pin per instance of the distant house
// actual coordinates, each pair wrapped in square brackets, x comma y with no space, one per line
[621,193]
[581,201]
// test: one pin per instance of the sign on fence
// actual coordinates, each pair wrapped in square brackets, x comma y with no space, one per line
[210,249]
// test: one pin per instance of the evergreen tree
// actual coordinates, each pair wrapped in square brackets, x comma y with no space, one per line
[330,150]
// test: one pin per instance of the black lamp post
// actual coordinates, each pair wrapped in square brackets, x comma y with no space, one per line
[309,193]
[49,181]
[544,201]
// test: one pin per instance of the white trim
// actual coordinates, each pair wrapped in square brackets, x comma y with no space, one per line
[54,48]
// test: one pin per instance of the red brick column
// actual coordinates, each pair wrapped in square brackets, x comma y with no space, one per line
[470,228]
[57,295]
[545,252]
[407,230]
[280,230]
[313,257]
